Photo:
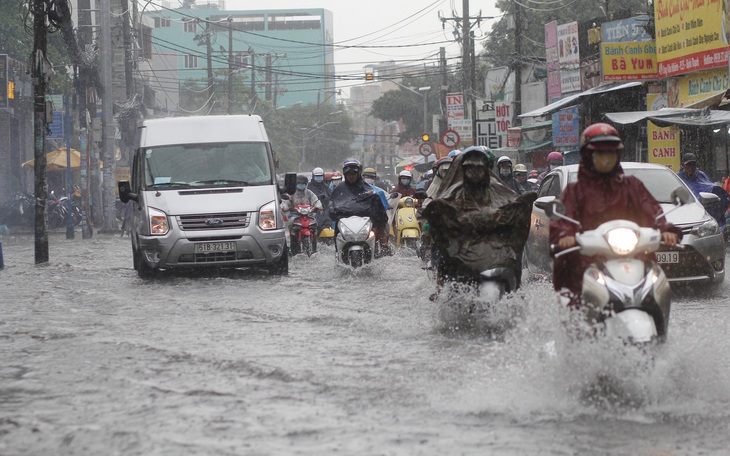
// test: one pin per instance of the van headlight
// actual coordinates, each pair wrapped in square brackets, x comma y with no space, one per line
[708,228]
[158,222]
[267,216]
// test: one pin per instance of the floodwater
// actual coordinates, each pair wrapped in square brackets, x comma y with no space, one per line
[323,362]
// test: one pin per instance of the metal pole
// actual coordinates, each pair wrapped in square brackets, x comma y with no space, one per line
[230,65]
[69,181]
[425,111]
[40,45]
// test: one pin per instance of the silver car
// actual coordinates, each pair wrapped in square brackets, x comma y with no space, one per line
[701,259]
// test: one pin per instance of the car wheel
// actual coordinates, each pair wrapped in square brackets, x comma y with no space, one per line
[144,270]
[280,267]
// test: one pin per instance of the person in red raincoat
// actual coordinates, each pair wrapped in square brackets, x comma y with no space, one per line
[602,193]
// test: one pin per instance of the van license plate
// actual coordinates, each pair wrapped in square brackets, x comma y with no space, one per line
[667,257]
[214,247]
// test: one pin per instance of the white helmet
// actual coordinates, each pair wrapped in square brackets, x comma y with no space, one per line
[317,172]
[503,159]
[405,173]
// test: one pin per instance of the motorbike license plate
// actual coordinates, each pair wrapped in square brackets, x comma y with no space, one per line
[667,257]
[214,247]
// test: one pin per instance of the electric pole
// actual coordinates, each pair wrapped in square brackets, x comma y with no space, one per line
[230,65]
[40,45]
[518,63]
[107,121]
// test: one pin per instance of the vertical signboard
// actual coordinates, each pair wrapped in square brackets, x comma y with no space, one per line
[565,127]
[487,135]
[553,63]
[503,117]
[3,81]
[663,145]
[569,57]
[454,107]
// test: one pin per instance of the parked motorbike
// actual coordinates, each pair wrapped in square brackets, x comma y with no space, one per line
[355,241]
[303,230]
[623,296]
[19,211]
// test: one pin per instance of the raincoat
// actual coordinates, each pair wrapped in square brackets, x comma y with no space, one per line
[699,182]
[357,199]
[593,199]
[323,192]
[477,227]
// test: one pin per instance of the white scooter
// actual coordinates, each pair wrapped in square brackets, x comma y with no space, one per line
[622,295]
[355,241]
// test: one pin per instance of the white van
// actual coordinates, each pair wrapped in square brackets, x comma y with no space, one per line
[204,194]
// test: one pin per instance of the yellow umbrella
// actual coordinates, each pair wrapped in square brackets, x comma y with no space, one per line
[56,160]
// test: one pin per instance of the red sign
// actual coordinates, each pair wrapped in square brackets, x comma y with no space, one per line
[450,138]
[425,149]
[514,137]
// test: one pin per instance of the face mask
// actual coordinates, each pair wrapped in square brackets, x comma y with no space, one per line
[301,186]
[318,178]
[605,161]
[474,173]
[368,180]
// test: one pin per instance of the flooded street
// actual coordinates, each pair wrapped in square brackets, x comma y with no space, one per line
[97,361]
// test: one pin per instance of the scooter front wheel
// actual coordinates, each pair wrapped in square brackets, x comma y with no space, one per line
[356,258]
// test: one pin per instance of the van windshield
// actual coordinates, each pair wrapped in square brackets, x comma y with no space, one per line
[207,165]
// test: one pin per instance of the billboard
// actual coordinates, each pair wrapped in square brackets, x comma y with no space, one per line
[569,57]
[629,61]
[690,35]
[565,127]
[553,64]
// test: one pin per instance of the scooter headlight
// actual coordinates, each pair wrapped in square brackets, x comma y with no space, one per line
[622,240]
[355,236]
[304,210]
[708,228]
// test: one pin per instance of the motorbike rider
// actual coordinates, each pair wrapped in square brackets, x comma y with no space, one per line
[323,192]
[602,193]
[335,180]
[354,196]
[404,184]
[476,222]
[520,173]
[554,159]
[504,168]
[301,196]
[370,175]
[698,182]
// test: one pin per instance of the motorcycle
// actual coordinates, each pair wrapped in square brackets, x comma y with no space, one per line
[327,235]
[407,229]
[623,296]
[303,229]
[355,241]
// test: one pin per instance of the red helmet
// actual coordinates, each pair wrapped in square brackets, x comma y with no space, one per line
[534,174]
[555,156]
[601,136]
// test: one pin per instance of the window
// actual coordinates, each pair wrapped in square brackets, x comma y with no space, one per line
[161,22]
[190,26]
[191,61]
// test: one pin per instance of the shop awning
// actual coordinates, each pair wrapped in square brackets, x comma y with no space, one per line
[711,101]
[575,98]
[526,146]
[673,116]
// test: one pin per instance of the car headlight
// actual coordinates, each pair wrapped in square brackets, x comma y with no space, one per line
[708,228]
[267,216]
[622,240]
[158,222]
[354,236]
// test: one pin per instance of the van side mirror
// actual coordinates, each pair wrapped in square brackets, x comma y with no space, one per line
[125,192]
[290,183]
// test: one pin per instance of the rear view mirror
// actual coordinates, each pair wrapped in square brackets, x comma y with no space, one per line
[680,195]
[125,192]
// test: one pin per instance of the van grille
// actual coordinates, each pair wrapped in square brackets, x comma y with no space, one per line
[214,221]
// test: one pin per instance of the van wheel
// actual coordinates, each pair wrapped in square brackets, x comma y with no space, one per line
[144,271]
[280,267]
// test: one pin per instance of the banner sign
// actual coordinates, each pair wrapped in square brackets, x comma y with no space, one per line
[629,61]
[696,87]
[565,127]
[631,29]
[553,63]
[514,137]
[503,117]
[690,35]
[569,57]
[663,145]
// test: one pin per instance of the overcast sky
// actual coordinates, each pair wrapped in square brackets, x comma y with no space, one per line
[397,25]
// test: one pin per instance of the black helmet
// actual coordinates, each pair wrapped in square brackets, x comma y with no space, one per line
[301,179]
[477,155]
[351,165]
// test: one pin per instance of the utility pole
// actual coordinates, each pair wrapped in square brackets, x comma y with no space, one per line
[107,120]
[40,45]
[443,125]
[466,62]
[268,78]
[254,97]
[518,62]
[230,65]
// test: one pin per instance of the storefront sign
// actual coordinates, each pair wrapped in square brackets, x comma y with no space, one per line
[663,145]
[569,57]
[631,61]
[565,127]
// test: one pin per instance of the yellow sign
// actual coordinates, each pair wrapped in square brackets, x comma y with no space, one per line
[696,87]
[634,60]
[691,35]
[663,145]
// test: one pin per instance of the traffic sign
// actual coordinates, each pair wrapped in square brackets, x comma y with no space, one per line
[450,138]
[425,149]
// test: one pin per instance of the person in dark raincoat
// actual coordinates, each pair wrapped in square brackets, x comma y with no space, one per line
[477,222]
[506,175]
[698,181]
[318,186]
[602,193]
[355,197]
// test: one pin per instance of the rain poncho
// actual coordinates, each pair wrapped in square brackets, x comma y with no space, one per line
[699,182]
[478,226]
[323,192]
[357,199]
